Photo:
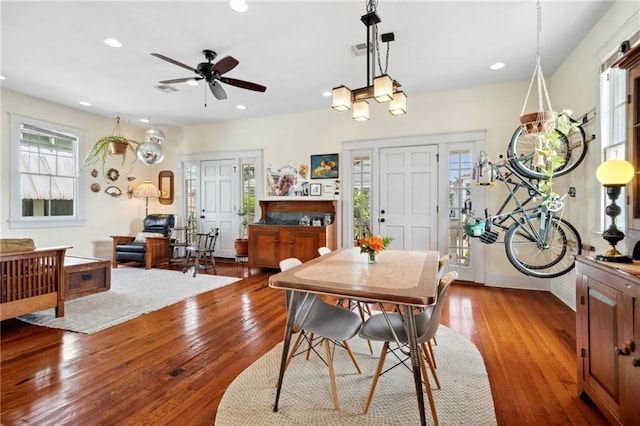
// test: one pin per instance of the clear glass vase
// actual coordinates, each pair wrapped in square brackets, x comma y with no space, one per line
[372,257]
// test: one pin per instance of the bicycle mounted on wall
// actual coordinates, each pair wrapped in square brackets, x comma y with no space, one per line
[538,241]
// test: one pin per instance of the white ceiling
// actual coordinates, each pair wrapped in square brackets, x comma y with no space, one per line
[298,49]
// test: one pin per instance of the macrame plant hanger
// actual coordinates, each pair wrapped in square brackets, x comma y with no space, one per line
[542,121]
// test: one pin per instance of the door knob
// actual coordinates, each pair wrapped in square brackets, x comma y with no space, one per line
[382,220]
[382,212]
[626,348]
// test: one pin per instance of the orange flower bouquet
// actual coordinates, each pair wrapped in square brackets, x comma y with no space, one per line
[373,245]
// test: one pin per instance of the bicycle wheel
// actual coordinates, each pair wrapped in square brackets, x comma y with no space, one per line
[532,256]
[522,149]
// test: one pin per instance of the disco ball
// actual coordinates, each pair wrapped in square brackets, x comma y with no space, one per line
[154,136]
[150,153]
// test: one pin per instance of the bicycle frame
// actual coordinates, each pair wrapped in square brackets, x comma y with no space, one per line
[514,181]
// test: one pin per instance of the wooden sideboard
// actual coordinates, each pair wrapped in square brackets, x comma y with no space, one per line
[278,234]
[608,337]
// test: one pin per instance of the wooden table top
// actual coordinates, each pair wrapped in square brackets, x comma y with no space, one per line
[398,276]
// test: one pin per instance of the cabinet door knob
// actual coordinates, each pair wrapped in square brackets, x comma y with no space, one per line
[635,362]
[626,348]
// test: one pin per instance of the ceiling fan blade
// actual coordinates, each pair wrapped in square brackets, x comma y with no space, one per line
[225,65]
[173,61]
[180,80]
[243,84]
[217,90]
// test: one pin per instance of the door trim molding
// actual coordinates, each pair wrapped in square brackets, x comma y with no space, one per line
[442,140]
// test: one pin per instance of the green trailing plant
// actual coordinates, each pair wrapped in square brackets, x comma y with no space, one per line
[102,148]
[548,160]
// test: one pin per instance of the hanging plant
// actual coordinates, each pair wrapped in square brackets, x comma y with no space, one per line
[547,158]
[114,144]
[548,127]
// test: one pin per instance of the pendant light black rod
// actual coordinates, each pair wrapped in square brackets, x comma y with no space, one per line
[369,20]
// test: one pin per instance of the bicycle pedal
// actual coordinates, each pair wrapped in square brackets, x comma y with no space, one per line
[489,237]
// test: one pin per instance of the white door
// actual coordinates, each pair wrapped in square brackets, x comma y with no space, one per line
[408,197]
[219,180]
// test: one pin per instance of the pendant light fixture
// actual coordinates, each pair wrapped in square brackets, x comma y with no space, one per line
[384,88]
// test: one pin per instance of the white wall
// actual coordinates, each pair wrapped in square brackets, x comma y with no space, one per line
[292,138]
[106,215]
[575,86]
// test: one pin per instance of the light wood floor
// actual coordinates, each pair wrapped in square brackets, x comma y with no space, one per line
[172,366]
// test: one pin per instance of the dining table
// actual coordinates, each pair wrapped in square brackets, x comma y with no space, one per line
[404,278]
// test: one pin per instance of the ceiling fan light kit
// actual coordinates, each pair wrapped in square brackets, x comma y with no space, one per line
[384,88]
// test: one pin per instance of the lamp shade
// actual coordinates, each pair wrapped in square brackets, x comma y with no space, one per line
[398,104]
[361,110]
[383,88]
[615,172]
[341,98]
[146,189]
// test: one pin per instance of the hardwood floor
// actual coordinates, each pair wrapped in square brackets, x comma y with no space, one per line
[172,366]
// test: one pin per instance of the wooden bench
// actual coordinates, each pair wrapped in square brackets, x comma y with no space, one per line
[32,280]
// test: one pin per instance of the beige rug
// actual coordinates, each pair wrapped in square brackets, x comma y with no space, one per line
[465,397]
[134,292]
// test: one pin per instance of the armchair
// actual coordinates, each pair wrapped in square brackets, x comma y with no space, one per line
[150,247]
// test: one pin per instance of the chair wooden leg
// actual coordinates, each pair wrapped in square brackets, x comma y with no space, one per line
[309,347]
[334,388]
[196,265]
[376,376]
[294,348]
[186,262]
[213,263]
[353,358]
[427,356]
[427,385]
[433,356]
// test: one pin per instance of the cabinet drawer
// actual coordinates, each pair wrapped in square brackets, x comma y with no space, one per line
[85,279]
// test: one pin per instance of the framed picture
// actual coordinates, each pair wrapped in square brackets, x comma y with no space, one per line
[324,166]
[316,189]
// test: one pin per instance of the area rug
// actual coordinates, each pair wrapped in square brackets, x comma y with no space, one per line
[464,399]
[134,292]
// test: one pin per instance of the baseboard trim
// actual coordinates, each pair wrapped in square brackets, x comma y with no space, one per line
[522,282]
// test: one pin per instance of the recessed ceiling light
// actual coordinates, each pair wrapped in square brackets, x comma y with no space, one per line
[112,42]
[239,5]
[192,82]
[241,107]
[327,94]
[144,120]
[497,66]
[85,103]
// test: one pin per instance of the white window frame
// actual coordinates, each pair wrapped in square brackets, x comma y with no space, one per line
[607,54]
[17,221]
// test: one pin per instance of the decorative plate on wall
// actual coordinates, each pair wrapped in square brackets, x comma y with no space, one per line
[114,191]
[113,174]
[95,187]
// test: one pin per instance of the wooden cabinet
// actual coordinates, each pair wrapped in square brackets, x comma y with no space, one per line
[278,236]
[608,338]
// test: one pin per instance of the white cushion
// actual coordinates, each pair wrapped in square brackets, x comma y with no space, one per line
[141,238]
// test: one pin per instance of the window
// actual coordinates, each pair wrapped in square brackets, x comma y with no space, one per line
[44,174]
[361,196]
[613,88]
[460,169]
[248,195]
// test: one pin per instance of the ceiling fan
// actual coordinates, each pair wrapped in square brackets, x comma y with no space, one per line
[213,73]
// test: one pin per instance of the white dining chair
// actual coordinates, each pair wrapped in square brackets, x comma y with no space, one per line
[383,327]
[330,323]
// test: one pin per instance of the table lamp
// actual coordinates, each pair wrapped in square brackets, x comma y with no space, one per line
[146,190]
[613,175]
